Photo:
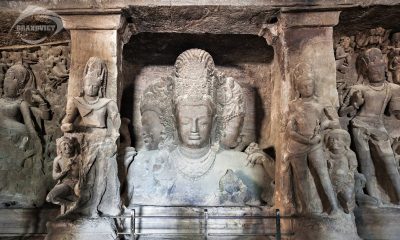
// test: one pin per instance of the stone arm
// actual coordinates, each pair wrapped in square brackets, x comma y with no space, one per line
[34,99]
[113,120]
[352,102]
[295,135]
[392,63]
[340,53]
[71,113]
[58,174]
[58,72]
[394,103]
[329,119]
[352,160]
[26,115]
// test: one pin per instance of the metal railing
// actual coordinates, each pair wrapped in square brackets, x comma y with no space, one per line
[134,233]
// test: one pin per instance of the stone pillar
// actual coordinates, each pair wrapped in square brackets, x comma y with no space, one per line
[299,37]
[96,35]
[99,38]
[302,37]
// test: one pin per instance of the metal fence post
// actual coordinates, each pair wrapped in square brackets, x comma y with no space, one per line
[205,224]
[133,224]
[278,225]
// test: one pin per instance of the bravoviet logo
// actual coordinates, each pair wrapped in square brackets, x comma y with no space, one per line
[50,25]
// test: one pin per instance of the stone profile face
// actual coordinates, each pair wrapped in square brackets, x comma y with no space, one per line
[193,169]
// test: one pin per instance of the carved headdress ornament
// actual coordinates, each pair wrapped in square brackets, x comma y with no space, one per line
[96,72]
[24,77]
[195,79]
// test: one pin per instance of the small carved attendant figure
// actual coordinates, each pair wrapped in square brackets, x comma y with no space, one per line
[342,167]
[343,54]
[306,121]
[65,172]
[394,55]
[368,103]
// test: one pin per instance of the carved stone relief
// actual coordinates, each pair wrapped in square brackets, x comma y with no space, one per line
[30,120]
[369,110]
[90,177]
[186,162]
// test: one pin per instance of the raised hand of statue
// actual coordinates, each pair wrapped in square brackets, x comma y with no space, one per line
[357,99]
[255,158]
[255,155]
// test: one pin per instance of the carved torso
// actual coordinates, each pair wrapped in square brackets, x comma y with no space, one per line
[375,99]
[157,181]
[92,116]
[306,116]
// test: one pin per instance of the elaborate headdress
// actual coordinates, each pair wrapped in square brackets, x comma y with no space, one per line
[96,71]
[300,72]
[157,98]
[25,78]
[368,57]
[194,79]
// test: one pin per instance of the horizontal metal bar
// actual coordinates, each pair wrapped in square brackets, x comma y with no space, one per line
[201,217]
[170,234]
[249,234]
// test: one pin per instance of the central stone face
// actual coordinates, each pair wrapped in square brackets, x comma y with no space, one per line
[191,167]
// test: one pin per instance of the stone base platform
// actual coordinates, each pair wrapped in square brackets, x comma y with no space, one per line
[82,229]
[378,222]
[338,227]
[26,223]
[155,222]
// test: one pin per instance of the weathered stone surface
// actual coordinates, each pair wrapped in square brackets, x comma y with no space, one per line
[198,133]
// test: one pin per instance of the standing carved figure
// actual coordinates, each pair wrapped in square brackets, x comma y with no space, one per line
[95,119]
[343,54]
[394,56]
[342,167]
[66,168]
[307,118]
[368,103]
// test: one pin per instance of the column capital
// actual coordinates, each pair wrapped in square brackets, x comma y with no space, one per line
[314,19]
[90,19]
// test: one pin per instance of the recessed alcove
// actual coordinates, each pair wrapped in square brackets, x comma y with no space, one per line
[149,57]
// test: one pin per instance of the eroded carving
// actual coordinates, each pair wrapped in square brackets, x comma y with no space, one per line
[342,164]
[196,171]
[306,121]
[22,110]
[66,171]
[94,120]
[367,103]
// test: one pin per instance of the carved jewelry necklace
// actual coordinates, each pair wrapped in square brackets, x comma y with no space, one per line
[92,102]
[193,167]
[377,88]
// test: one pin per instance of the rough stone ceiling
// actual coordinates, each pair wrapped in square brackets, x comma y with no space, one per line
[360,19]
[163,48]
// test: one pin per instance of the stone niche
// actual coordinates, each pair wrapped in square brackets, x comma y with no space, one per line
[150,57]
[203,116]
